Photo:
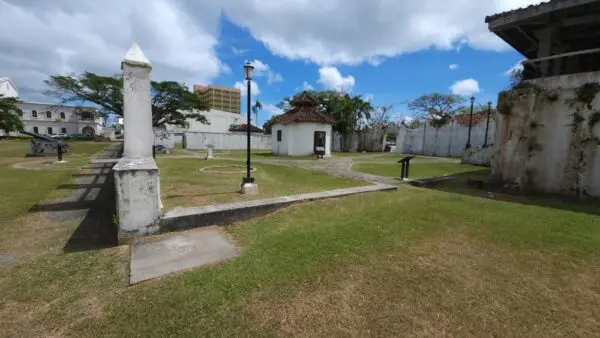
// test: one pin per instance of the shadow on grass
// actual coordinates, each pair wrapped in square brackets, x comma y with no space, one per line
[93,199]
[461,185]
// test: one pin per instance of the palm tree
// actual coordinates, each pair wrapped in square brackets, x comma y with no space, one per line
[255,108]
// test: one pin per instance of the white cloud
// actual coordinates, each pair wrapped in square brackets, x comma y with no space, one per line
[239,51]
[274,78]
[332,79]
[225,69]
[307,86]
[369,97]
[243,87]
[465,87]
[453,66]
[47,38]
[180,36]
[517,67]
[379,28]
[272,109]
[263,69]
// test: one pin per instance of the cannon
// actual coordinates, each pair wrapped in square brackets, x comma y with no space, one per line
[44,146]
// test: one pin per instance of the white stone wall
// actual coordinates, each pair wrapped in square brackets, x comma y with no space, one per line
[235,140]
[448,141]
[220,122]
[281,147]
[536,146]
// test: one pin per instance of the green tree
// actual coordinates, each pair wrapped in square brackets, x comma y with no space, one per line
[172,102]
[269,123]
[10,119]
[437,108]
[256,107]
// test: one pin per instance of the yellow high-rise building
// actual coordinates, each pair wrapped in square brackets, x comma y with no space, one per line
[220,98]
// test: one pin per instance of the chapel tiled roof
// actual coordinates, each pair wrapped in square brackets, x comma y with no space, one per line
[304,110]
[463,119]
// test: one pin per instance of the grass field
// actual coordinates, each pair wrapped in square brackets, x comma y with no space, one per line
[182,184]
[417,169]
[20,189]
[449,261]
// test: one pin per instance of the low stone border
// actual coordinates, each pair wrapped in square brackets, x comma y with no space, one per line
[241,171]
[44,165]
[219,214]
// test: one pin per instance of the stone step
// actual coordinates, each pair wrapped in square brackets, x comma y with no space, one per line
[219,214]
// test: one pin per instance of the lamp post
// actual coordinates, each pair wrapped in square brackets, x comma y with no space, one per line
[248,185]
[470,123]
[487,125]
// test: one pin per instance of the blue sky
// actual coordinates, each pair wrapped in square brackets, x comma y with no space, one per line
[393,82]
[390,51]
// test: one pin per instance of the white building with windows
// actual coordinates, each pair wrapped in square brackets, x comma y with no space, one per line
[46,119]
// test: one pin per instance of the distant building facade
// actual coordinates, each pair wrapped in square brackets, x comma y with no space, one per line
[46,119]
[220,98]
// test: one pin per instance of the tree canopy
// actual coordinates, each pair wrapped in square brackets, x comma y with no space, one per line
[437,108]
[172,102]
[9,114]
[269,123]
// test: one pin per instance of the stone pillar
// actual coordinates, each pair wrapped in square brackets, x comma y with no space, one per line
[137,182]
[400,139]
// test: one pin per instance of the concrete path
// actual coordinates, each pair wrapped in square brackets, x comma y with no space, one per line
[154,257]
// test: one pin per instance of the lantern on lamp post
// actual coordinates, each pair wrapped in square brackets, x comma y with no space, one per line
[248,185]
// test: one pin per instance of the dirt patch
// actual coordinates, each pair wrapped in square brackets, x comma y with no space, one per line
[450,285]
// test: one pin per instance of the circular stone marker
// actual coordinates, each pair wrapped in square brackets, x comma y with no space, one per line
[225,169]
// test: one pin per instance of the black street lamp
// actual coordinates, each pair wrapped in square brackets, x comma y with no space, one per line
[248,185]
[470,123]
[487,125]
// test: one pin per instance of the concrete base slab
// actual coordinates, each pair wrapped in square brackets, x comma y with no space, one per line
[155,257]
[250,189]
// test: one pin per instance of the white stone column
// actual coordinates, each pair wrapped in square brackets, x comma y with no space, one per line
[137,108]
[137,180]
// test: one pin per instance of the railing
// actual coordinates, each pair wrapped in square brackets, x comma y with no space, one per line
[562,64]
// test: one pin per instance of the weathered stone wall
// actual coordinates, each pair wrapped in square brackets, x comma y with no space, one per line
[449,140]
[548,140]
[478,156]
[233,140]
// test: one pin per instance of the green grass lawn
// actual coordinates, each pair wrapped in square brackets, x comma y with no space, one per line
[417,169]
[182,184]
[449,261]
[20,189]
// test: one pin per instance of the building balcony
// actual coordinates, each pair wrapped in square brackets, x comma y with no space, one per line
[585,61]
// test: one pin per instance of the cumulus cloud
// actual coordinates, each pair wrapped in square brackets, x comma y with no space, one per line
[239,51]
[243,87]
[307,86]
[453,66]
[180,36]
[332,79]
[465,87]
[272,109]
[263,69]
[379,29]
[47,38]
